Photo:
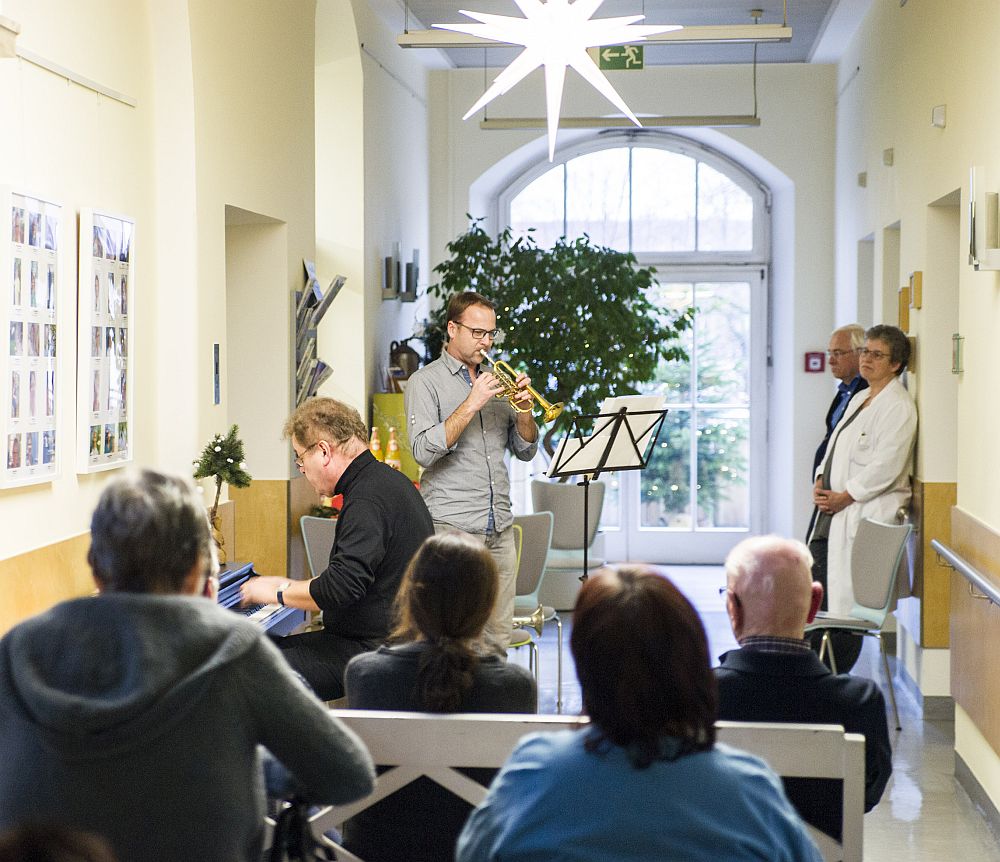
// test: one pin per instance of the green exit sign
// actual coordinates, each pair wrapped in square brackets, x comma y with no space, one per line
[620,57]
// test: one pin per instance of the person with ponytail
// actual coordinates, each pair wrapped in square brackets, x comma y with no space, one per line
[436,661]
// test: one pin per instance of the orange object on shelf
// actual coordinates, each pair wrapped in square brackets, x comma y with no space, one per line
[392,457]
[375,445]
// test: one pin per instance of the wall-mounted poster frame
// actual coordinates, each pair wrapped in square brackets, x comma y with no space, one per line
[105,349]
[30,275]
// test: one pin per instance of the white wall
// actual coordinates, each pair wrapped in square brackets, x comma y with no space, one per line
[69,145]
[224,116]
[396,159]
[792,151]
[912,58]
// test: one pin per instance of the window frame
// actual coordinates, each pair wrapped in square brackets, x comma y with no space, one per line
[758,254]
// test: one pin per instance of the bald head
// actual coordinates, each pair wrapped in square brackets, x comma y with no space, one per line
[771,590]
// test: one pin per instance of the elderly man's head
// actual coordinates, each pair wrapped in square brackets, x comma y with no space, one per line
[770,590]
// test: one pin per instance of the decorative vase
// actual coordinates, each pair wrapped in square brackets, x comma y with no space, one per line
[219,539]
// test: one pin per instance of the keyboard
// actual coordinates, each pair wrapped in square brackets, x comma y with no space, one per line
[274,619]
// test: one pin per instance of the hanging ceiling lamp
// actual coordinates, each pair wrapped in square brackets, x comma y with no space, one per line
[556,34]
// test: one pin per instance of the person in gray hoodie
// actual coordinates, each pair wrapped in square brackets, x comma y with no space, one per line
[136,714]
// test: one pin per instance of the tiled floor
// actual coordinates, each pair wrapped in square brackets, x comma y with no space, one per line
[924,815]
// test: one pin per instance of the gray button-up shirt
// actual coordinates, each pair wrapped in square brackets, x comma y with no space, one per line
[459,484]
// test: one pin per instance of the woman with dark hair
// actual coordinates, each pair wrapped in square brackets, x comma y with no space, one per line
[866,470]
[646,781]
[436,662]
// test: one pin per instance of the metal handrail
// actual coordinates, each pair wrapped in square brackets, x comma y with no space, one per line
[987,589]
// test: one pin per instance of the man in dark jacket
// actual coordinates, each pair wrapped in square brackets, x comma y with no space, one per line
[381,525]
[775,676]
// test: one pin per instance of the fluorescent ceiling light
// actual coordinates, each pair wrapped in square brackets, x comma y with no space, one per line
[709,34]
[730,120]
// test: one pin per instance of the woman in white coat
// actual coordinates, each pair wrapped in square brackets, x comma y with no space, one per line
[866,470]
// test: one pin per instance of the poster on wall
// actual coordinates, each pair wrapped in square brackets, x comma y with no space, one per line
[104,342]
[29,263]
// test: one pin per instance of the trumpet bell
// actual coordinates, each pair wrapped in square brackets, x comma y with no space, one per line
[536,620]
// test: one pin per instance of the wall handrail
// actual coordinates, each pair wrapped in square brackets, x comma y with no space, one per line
[976,579]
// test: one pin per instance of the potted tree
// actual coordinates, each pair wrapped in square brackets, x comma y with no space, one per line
[222,459]
[576,317]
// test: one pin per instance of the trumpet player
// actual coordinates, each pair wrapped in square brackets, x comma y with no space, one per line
[462,423]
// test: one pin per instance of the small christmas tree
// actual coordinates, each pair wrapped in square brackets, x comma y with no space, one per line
[222,459]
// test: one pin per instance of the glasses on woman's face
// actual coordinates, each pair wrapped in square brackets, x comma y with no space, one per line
[865,352]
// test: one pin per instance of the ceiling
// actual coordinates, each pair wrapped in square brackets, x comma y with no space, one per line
[819,28]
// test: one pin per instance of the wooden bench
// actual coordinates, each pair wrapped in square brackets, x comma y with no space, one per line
[435,746]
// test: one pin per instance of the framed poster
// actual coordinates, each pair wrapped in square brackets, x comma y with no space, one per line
[29,264]
[104,342]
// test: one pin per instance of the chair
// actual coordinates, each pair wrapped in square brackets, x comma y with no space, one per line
[536,533]
[875,559]
[564,566]
[317,536]
[521,637]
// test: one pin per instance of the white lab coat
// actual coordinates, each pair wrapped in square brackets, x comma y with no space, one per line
[872,458]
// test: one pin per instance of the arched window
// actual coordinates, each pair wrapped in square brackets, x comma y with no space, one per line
[703,222]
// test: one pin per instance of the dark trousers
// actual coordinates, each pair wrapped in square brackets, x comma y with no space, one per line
[846,645]
[320,657]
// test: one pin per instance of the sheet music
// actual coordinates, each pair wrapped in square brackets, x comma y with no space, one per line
[623,453]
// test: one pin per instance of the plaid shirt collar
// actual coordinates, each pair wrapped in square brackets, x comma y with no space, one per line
[770,643]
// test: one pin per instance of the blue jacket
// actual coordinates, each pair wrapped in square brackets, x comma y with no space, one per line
[554,800]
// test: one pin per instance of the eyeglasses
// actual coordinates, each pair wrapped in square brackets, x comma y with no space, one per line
[298,461]
[724,590]
[479,334]
[836,354]
[874,354]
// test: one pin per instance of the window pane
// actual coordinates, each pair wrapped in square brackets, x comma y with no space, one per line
[540,205]
[673,379]
[723,456]
[722,342]
[611,514]
[725,213]
[666,481]
[662,200]
[597,197]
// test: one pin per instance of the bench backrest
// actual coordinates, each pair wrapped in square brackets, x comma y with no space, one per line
[436,746]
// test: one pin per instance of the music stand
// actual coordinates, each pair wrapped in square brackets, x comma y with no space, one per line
[607,449]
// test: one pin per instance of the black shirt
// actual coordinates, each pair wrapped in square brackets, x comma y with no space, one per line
[383,522]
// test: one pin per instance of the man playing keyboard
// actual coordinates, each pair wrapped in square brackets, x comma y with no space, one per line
[383,522]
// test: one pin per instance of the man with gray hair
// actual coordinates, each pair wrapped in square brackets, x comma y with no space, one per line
[775,676]
[843,355]
[136,714]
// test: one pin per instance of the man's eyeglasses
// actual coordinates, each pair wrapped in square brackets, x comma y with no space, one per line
[836,354]
[479,334]
[298,461]
[874,354]
[724,590]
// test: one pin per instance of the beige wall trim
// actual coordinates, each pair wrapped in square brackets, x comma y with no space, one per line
[934,502]
[262,530]
[975,627]
[35,581]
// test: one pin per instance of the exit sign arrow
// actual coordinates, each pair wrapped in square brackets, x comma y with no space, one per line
[620,57]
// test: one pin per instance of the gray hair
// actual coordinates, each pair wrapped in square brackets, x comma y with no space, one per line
[147,533]
[857,333]
[897,342]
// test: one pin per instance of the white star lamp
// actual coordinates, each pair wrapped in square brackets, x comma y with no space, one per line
[556,34]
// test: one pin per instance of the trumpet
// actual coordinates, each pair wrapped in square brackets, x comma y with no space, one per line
[536,619]
[507,376]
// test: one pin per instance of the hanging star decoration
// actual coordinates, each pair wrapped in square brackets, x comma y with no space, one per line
[556,34]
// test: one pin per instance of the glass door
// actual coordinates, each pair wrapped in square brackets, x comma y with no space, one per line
[702,491]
